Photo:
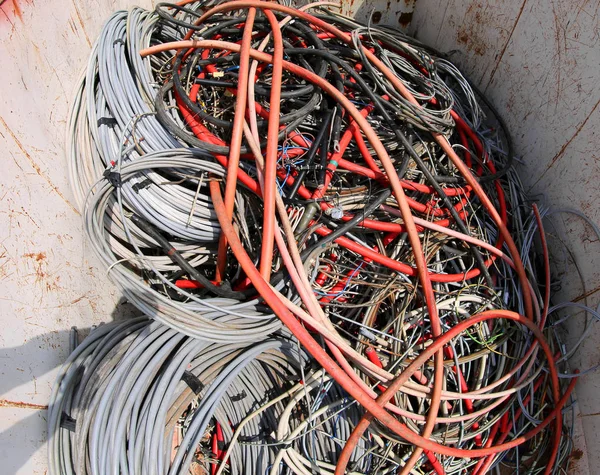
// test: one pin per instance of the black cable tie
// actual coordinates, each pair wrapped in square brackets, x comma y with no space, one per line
[248,439]
[256,437]
[142,185]
[114,178]
[67,422]
[119,41]
[239,397]
[193,382]
[110,121]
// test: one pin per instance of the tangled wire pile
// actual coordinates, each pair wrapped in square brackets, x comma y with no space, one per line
[323,222]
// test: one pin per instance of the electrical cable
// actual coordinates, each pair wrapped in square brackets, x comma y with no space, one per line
[298,196]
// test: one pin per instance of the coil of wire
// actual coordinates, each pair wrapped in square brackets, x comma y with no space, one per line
[247,168]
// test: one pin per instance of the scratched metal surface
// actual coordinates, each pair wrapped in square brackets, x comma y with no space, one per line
[397,13]
[539,62]
[48,280]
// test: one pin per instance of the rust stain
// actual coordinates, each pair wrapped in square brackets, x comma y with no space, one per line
[587,294]
[36,167]
[566,144]
[411,3]
[87,38]
[558,27]
[405,18]
[21,405]
[576,454]
[26,214]
[61,238]
[591,414]
[573,459]
[54,285]
[12,213]
[462,36]
[49,282]
[40,271]
[503,51]
[40,256]
[17,10]
[7,260]
[79,299]
[472,41]
[472,33]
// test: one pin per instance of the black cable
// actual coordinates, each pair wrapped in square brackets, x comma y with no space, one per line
[177,258]
[348,225]
[378,102]
[310,155]
[167,121]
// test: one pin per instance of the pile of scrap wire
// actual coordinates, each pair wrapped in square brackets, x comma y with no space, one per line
[323,223]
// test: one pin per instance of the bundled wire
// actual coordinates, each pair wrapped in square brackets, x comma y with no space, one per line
[139,397]
[246,169]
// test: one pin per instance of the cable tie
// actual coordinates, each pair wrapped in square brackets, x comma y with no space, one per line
[239,397]
[110,121]
[193,382]
[248,439]
[142,185]
[119,41]
[114,178]
[67,422]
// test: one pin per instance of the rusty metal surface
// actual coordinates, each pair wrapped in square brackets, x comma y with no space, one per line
[397,13]
[48,279]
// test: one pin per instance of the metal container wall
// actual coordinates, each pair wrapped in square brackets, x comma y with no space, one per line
[538,61]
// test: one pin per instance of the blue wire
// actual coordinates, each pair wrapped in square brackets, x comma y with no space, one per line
[280,186]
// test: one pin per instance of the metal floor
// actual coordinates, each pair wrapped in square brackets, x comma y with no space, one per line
[49,279]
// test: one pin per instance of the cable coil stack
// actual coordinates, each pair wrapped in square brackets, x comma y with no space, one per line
[340,270]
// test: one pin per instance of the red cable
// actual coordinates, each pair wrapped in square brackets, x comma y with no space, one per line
[423,274]
[270,169]
[344,380]
[236,137]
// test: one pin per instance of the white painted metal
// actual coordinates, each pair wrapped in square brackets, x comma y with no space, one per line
[538,60]
[48,281]
[396,13]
